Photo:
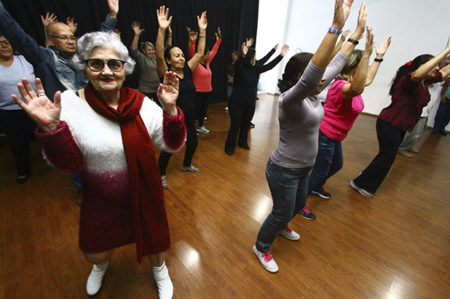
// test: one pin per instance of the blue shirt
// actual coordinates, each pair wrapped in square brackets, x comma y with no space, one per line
[9,77]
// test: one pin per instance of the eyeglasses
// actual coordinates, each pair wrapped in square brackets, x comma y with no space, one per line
[5,42]
[97,65]
[64,37]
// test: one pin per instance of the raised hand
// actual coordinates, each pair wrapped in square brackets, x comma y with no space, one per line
[162,14]
[202,21]
[362,17]
[218,33]
[48,19]
[168,93]
[381,49]
[369,42]
[247,44]
[38,106]
[72,25]
[136,26]
[192,34]
[113,6]
[284,50]
[341,13]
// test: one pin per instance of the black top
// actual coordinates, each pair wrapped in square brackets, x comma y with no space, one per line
[186,97]
[246,78]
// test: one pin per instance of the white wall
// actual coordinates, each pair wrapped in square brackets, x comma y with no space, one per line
[416,26]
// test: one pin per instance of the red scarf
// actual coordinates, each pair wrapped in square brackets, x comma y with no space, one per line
[151,228]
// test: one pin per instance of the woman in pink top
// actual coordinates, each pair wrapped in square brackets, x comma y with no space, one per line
[202,77]
[342,106]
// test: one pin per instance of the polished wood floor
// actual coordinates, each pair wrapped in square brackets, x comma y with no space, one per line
[395,245]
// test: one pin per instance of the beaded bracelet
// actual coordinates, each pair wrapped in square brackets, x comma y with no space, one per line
[353,41]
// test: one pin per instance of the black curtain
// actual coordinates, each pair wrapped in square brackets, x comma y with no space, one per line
[237,18]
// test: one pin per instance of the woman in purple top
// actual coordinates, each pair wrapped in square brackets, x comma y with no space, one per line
[409,92]
[299,114]
[342,106]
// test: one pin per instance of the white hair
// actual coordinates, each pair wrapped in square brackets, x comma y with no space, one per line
[88,42]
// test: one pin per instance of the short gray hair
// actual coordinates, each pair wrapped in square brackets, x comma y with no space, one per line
[88,42]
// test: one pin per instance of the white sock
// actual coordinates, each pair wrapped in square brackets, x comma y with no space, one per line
[163,282]
[102,267]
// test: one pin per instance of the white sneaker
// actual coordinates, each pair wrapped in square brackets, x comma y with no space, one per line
[95,279]
[190,168]
[289,234]
[360,190]
[203,130]
[163,282]
[266,260]
[164,183]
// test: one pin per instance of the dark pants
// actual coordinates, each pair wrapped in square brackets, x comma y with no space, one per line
[240,117]
[328,161]
[202,101]
[229,92]
[191,141]
[288,187]
[442,116]
[19,129]
[389,140]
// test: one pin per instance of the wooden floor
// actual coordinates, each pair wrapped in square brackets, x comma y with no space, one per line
[395,245]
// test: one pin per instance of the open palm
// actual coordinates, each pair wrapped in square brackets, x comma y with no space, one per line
[38,106]
[168,90]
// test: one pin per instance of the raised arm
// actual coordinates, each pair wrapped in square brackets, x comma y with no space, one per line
[164,21]
[356,87]
[351,43]
[216,46]
[323,54]
[425,68]
[275,61]
[267,56]
[380,50]
[169,36]
[111,18]
[341,41]
[202,25]
[136,26]
[192,40]
[47,20]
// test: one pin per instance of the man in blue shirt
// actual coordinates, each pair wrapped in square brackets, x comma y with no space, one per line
[53,65]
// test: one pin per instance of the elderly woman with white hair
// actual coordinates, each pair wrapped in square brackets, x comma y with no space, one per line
[106,131]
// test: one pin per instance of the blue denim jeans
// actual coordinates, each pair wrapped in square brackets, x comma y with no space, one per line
[288,187]
[328,161]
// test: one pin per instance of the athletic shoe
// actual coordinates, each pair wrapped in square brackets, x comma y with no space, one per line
[360,190]
[95,279]
[322,193]
[406,154]
[289,234]
[251,125]
[164,183]
[163,282]
[203,130]
[266,260]
[307,214]
[190,168]
[414,150]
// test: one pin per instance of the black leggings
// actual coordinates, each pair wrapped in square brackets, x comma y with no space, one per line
[240,117]
[19,128]
[202,101]
[191,144]
[389,140]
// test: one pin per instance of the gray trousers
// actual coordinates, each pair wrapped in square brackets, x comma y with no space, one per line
[411,138]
